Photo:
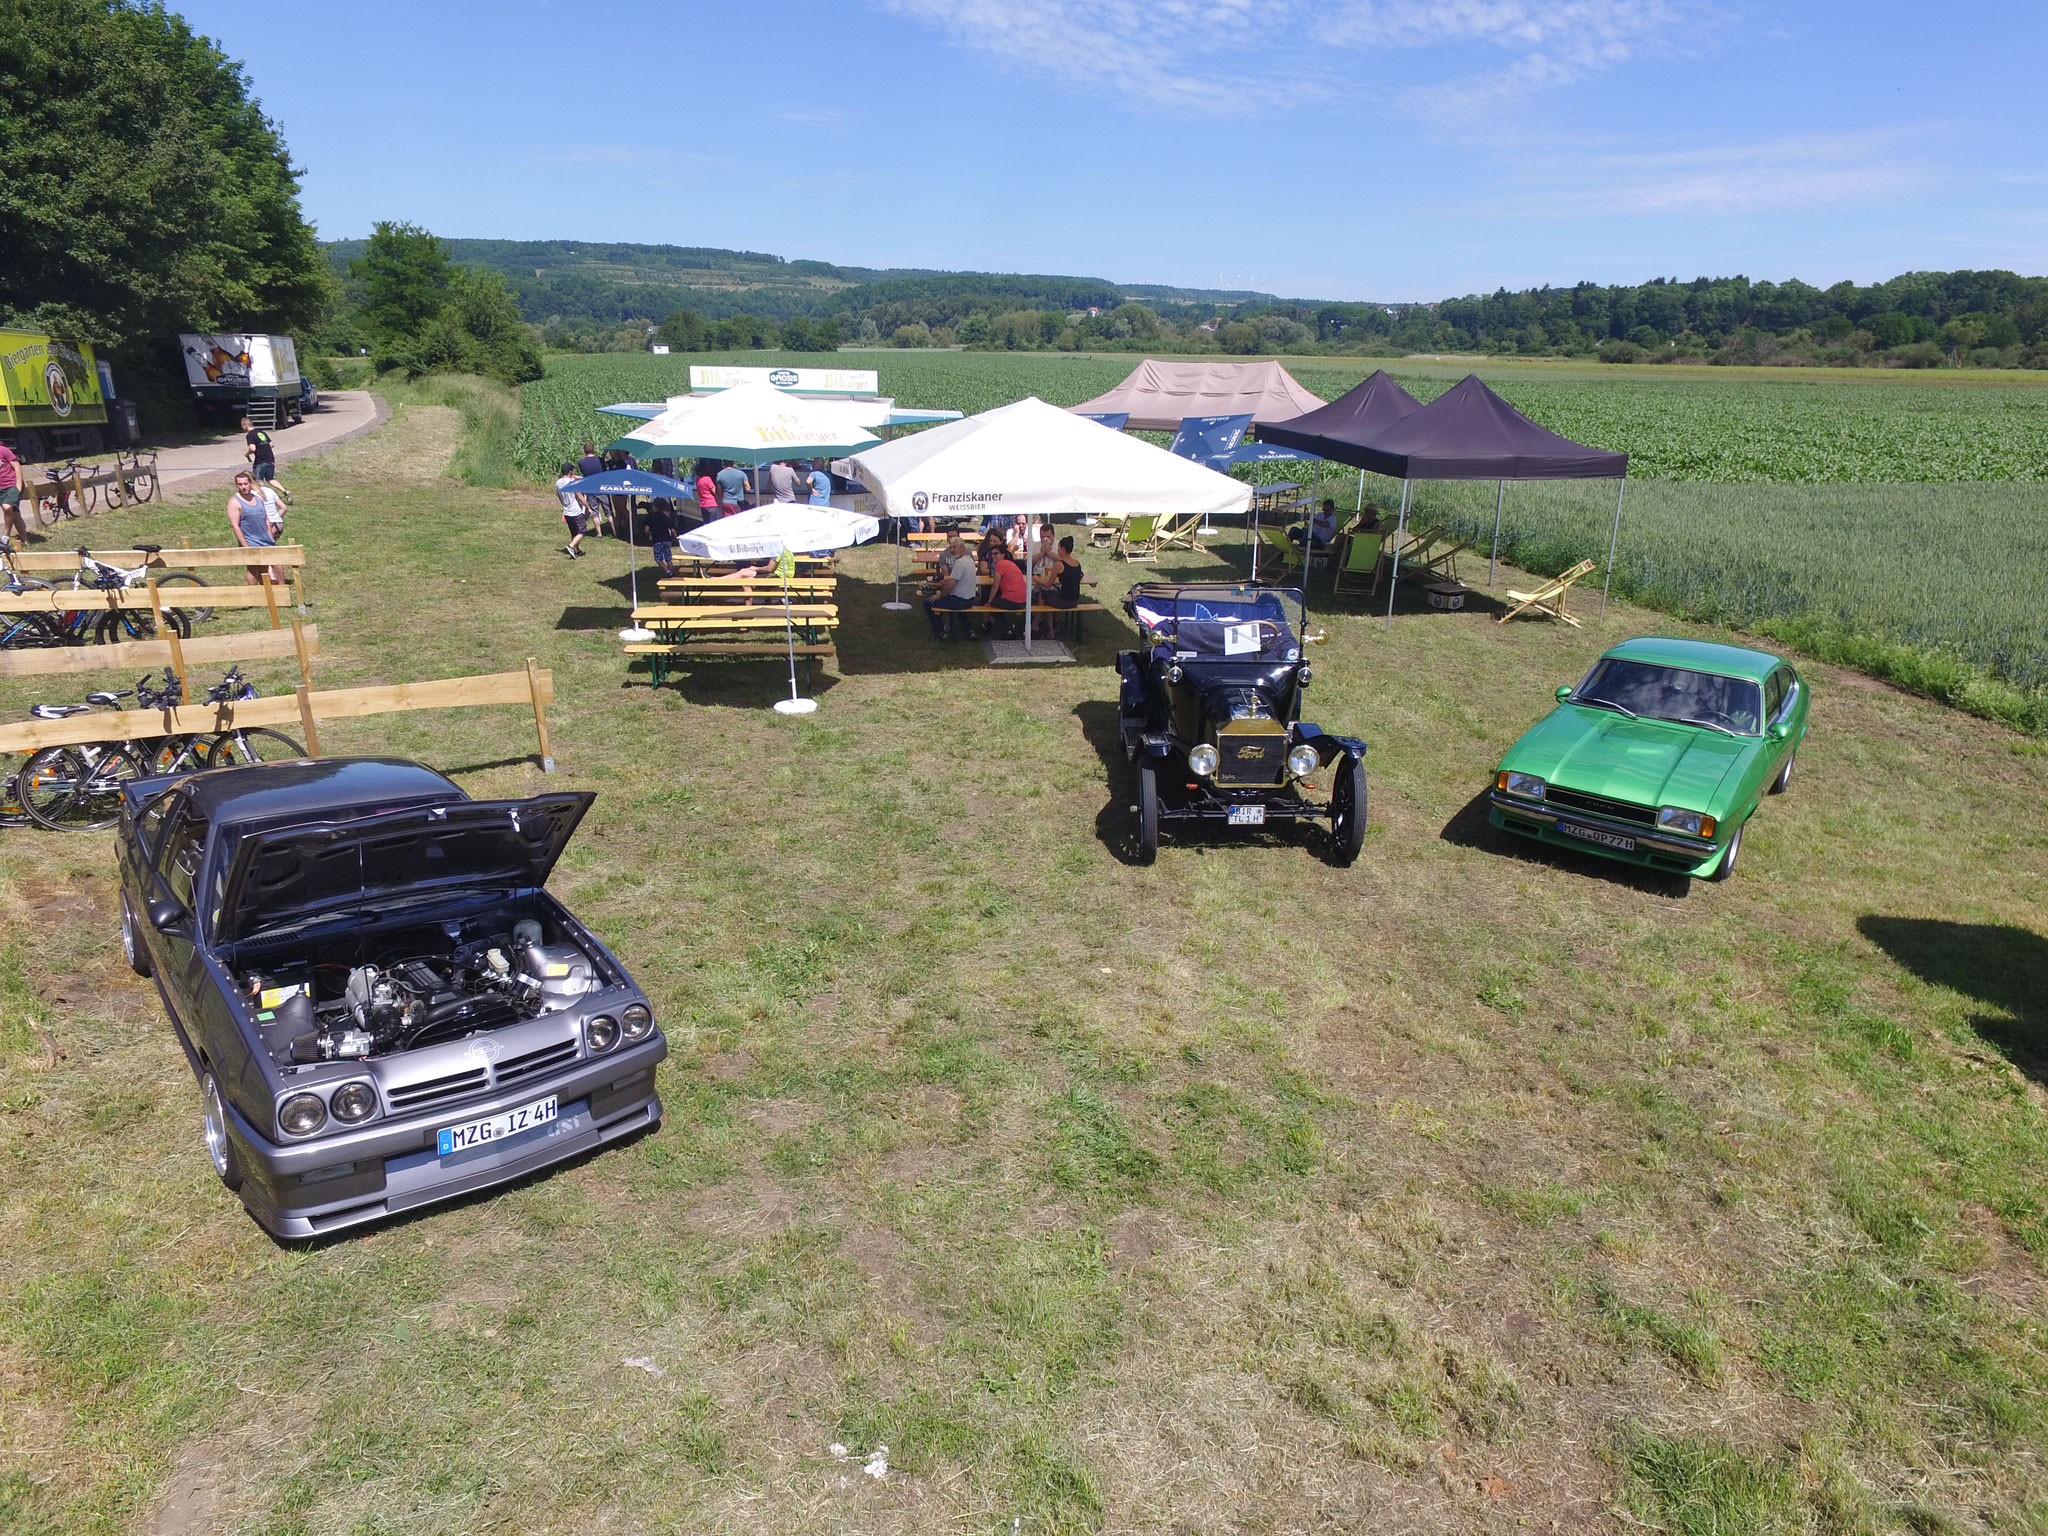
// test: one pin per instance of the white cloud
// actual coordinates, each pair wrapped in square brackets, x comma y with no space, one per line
[1228,58]
[1797,171]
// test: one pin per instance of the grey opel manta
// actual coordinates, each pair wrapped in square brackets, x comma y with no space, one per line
[383,1006]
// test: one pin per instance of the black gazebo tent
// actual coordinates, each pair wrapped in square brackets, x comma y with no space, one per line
[1338,430]
[1470,433]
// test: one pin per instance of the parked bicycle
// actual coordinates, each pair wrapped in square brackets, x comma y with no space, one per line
[78,788]
[105,577]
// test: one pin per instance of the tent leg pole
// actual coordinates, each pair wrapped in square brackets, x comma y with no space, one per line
[1030,541]
[1613,543]
[1493,562]
[1394,573]
[1361,492]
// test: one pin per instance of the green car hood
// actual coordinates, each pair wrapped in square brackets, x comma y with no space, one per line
[1644,762]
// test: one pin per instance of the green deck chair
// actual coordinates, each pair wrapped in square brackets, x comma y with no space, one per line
[1360,569]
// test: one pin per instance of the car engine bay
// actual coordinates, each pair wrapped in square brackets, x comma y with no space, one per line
[416,986]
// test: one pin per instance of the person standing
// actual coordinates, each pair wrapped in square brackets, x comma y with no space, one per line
[249,517]
[707,492]
[258,450]
[592,463]
[821,484]
[10,492]
[660,528]
[573,512]
[732,489]
[782,482]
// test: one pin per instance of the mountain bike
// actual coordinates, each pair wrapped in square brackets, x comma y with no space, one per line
[242,744]
[77,789]
[136,623]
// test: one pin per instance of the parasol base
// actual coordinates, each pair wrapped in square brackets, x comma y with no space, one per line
[636,636]
[796,706]
[897,607]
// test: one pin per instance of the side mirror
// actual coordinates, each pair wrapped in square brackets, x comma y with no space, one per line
[1564,693]
[165,913]
[1780,730]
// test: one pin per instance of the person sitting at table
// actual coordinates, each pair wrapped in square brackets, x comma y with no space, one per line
[991,546]
[1321,528]
[1063,590]
[957,586]
[1006,589]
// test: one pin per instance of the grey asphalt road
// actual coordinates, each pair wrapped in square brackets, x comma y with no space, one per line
[344,414]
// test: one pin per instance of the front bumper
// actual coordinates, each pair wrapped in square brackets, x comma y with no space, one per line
[391,1166]
[1653,849]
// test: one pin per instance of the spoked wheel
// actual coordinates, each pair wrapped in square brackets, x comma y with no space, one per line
[190,614]
[220,1147]
[256,744]
[1347,810]
[142,483]
[1726,867]
[49,509]
[177,754]
[1148,814]
[77,789]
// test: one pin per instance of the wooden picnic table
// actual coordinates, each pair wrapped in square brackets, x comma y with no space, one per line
[684,630]
[766,589]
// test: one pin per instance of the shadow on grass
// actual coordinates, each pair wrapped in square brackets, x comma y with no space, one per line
[737,682]
[1998,964]
[594,618]
[1470,828]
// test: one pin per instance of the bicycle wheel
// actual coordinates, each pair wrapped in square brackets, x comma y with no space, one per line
[11,813]
[142,482]
[186,579]
[136,624]
[254,744]
[76,789]
[175,754]
[49,509]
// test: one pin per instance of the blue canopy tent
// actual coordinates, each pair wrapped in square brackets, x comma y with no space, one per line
[1266,453]
[630,482]
[1210,440]
[1114,420]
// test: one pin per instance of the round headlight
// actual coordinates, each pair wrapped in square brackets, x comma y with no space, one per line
[601,1032]
[1173,674]
[637,1022]
[301,1115]
[353,1102]
[1301,677]
[1303,761]
[1202,760]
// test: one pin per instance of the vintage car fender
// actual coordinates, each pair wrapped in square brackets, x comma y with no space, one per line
[1329,747]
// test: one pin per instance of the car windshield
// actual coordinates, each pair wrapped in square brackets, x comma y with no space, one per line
[1249,623]
[1655,692]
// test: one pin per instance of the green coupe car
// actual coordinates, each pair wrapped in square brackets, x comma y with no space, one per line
[1659,757]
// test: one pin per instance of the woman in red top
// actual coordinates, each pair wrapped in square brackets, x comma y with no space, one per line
[707,493]
[1006,589]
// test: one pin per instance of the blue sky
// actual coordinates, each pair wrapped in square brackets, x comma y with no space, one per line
[1360,149]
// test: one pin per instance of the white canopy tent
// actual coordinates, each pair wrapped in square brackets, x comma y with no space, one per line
[1036,461]
[748,424]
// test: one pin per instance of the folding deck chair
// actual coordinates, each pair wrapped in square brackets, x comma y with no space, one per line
[1138,539]
[1360,567]
[1444,562]
[1177,532]
[1548,599]
[1280,547]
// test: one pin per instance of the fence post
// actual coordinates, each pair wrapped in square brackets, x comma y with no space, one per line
[169,631]
[306,712]
[269,594]
[299,644]
[540,716]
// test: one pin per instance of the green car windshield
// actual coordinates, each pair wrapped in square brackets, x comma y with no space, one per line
[1653,692]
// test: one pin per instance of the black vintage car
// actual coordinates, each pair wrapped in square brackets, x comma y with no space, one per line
[382,1005]
[1211,713]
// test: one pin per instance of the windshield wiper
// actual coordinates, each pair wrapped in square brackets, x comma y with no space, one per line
[1710,724]
[1606,704]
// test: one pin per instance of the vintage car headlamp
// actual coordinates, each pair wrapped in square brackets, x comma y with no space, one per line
[1303,761]
[1302,675]
[301,1115]
[1526,785]
[353,1103]
[636,1021]
[1692,823]
[601,1033]
[1202,760]
[1173,673]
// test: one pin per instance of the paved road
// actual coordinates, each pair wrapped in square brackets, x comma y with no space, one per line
[343,414]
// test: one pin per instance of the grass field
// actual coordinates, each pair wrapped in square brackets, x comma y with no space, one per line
[1473,1188]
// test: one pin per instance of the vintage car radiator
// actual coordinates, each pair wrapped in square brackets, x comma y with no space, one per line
[1252,753]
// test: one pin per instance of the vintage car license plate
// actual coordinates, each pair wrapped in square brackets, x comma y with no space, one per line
[460,1138]
[1594,835]
[1247,815]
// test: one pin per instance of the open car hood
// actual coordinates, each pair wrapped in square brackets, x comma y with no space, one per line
[290,874]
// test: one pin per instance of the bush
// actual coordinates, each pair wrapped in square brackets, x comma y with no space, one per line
[1238,336]
[1620,352]
[1918,354]
[915,334]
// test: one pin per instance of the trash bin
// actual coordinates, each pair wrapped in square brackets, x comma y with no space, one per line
[125,423]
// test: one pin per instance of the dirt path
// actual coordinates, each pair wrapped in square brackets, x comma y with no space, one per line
[343,414]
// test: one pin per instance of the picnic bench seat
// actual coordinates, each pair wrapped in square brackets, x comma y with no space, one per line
[703,589]
[683,630]
[1038,610]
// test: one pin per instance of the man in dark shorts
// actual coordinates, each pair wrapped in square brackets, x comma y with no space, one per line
[574,513]
[10,493]
[258,451]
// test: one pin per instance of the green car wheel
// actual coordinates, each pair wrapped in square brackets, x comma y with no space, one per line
[1725,870]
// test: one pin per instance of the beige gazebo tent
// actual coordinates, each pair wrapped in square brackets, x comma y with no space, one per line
[1158,395]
